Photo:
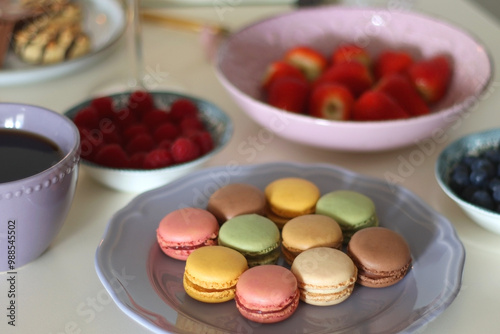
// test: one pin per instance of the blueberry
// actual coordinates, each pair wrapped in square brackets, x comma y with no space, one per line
[459,179]
[467,192]
[496,195]
[493,155]
[494,184]
[483,164]
[469,160]
[483,199]
[497,208]
[479,178]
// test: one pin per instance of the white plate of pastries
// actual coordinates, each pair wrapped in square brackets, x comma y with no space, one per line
[55,37]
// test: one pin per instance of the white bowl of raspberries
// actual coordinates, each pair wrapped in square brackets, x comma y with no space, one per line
[468,171]
[353,78]
[140,140]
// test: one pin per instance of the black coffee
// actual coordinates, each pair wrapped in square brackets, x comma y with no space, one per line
[23,154]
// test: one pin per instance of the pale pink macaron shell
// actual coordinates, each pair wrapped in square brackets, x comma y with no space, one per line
[267,294]
[184,230]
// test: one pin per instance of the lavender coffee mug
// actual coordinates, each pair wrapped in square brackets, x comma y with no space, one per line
[39,155]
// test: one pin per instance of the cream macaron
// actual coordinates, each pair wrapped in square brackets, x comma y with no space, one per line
[326,276]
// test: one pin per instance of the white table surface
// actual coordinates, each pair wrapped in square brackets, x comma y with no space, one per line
[60,291]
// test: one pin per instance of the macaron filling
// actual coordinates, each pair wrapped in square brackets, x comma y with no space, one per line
[209,242]
[290,304]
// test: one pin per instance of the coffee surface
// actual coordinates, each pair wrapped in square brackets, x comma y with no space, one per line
[23,154]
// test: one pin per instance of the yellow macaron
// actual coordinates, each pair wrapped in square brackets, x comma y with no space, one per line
[292,196]
[211,273]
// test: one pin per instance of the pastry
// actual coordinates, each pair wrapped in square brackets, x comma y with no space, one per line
[382,256]
[254,236]
[352,210]
[326,276]
[267,294]
[53,36]
[182,231]
[211,273]
[291,197]
[236,199]
[309,231]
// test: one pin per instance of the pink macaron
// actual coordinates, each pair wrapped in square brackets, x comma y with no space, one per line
[267,294]
[182,231]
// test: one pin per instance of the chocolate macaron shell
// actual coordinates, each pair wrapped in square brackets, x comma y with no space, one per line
[382,256]
[236,199]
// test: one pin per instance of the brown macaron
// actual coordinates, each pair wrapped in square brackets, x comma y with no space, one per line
[236,199]
[381,255]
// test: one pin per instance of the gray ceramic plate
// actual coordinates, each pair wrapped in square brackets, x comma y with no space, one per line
[147,285]
[104,21]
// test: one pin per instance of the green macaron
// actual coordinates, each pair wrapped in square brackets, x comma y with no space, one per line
[254,236]
[352,210]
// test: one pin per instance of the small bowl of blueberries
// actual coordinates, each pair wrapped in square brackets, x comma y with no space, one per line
[468,171]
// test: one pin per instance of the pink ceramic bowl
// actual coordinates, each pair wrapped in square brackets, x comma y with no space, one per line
[243,58]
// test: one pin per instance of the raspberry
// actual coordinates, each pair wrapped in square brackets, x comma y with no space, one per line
[104,106]
[154,118]
[190,123]
[87,118]
[141,143]
[134,130]
[166,131]
[112,155]
[183,108]
[166,144]
[124,118]
[157,158]
[184,149]
[204,140]
[111,136]
[140,102]
[137,160]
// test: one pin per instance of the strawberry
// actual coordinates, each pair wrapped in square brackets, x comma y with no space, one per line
[279,69]
[400,88]
[184,150]
[309,61]
[351,52]
[377,106]
[157,158]
[391,61]
[289,94]
[112,155]
[432,77]
[331,101]
[183,108]
[354,75]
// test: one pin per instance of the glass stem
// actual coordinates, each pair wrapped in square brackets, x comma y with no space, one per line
[134,45]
